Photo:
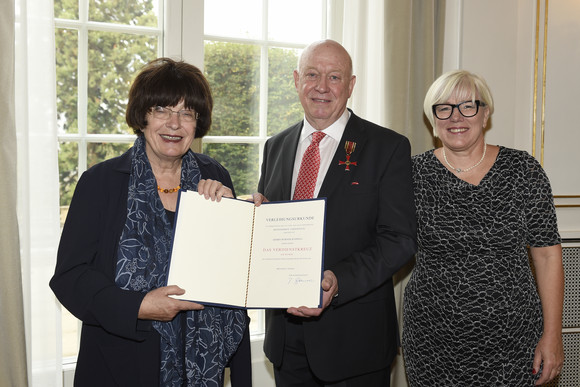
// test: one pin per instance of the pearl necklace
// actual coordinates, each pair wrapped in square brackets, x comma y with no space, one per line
[168,190]
[459,170]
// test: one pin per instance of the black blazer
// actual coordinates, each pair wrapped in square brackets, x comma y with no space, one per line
[370,234]
[116,347]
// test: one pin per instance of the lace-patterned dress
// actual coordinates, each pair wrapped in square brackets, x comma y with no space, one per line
[472,315]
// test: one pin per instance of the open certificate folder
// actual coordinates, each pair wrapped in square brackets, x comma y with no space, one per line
[233,253]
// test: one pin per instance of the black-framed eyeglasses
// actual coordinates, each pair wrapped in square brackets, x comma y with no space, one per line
[164,113]
[467,109]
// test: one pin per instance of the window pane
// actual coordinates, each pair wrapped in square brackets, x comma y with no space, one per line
[233,72]
[97,152]
[66,9]
[257,321]
[136,13]
[66,42]
[283,17]
[114,60]
[68,169]
[234,18]
[284,107]
[241,161]
[70,334]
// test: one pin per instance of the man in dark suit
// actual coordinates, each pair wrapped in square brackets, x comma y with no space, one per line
[364,171]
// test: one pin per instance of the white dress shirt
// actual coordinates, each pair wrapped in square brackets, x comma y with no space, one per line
[327,147]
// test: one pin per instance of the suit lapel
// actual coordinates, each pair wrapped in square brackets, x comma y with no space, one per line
[287,156]
[336,172]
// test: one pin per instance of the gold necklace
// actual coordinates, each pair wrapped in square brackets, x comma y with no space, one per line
[168,190]
[459,170]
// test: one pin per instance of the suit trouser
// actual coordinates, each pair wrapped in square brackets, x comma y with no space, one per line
[295,370]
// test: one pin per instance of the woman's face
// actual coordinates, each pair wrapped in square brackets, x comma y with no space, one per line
[168,139]
[459,132]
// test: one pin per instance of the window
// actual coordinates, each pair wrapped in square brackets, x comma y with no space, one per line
[250,52]
[100,45]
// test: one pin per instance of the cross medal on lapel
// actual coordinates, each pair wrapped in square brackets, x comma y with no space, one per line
[349,148]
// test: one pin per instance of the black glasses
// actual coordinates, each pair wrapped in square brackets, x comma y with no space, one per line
[467,109]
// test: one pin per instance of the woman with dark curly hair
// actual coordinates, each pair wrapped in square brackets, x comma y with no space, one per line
[114,252]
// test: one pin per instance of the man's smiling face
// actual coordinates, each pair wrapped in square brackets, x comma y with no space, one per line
[324,83]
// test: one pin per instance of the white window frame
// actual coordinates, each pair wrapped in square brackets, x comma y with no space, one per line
[83,25]
[190,47]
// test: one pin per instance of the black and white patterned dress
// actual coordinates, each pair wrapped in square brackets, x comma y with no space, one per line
[472,314]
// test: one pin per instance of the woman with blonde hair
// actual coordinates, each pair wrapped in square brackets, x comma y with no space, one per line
[474,315]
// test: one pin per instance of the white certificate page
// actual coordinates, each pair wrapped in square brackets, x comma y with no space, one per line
[233,253]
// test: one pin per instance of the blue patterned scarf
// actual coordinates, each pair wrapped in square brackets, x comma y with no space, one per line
[208,337]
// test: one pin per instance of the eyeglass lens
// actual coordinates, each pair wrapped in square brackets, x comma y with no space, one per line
[467,109]
[166,113]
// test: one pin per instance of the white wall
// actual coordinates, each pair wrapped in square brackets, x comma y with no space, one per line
[562,131]
[484,37]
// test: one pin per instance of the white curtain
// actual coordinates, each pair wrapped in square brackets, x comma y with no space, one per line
[396,47]
[13,369]
[37,181]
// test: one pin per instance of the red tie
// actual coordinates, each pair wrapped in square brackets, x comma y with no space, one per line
[309,167]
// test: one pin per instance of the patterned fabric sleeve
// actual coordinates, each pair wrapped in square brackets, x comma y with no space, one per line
[540,213]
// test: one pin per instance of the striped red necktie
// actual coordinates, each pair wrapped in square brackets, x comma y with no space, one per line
[309,167]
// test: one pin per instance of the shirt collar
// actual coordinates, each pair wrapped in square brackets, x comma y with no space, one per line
[335,130]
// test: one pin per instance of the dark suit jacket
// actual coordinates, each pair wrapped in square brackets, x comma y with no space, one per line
[370,234]
[116,349]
